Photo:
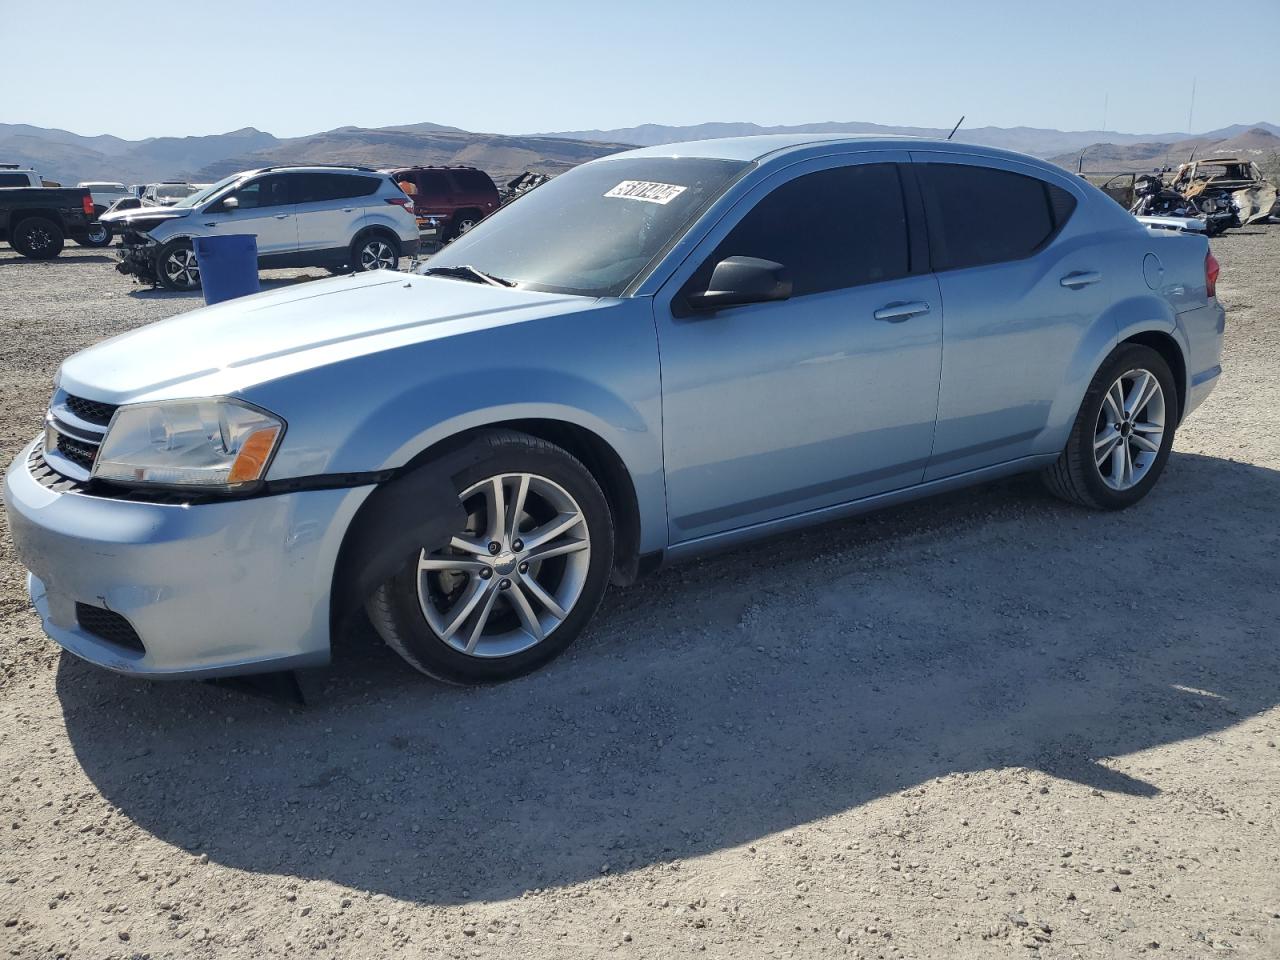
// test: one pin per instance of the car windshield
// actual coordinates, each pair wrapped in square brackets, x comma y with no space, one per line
[202,195]
[593,230]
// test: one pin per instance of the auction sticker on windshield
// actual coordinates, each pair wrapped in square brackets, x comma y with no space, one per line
[646,191]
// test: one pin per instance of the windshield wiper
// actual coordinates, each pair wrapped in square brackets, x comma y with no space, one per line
[467,272]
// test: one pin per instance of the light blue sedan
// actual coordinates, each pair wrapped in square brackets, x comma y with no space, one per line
[657,354]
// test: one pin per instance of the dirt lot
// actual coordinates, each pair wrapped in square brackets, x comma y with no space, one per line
[986,726]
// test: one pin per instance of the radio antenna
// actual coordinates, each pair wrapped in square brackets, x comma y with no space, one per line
[956,127]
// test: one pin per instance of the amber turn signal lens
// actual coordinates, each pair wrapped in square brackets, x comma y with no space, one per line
[252,459]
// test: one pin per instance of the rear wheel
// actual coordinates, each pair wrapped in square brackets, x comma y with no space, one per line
[463,222]
[375,252]
[176,266]
[37,238]
[517,584]
[1122,435]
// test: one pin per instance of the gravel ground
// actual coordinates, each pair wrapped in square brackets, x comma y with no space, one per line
[990,725]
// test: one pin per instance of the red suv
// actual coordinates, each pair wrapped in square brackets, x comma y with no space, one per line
[449,201]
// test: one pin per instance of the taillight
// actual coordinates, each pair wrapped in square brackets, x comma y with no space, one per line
[401,202]
[1211,271]
[87,200]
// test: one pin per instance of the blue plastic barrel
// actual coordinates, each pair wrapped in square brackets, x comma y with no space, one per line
[228,266]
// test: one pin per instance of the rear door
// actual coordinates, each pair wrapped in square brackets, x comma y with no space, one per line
[330,208]
[1021,287]
[264,209]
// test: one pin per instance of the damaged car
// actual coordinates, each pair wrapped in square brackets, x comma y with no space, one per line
[341,218]
[1227,186]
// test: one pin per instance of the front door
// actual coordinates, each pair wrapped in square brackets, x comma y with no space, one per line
[264,209]
[775,409]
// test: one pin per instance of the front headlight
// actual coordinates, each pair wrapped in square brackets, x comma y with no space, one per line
[222,444]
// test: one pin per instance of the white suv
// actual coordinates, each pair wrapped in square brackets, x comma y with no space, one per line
[341,218]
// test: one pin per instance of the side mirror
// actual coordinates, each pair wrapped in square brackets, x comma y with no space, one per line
[231,203]
[742,280]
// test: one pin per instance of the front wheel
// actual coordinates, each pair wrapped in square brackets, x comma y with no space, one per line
[176,266]
[517,583]
[375,253]
[97,235]
[1123,433]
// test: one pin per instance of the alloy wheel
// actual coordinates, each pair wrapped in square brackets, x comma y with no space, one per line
[1130,429]
[377,255]
[512,576]
[38,239]
[181,268]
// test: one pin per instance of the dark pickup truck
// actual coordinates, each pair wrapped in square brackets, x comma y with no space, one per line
[38,220]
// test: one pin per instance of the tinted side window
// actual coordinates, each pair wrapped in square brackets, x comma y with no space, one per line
[472,181]
[14,180]
[432,183]
[313,187]
[980,215]
[832,229]
[263,192]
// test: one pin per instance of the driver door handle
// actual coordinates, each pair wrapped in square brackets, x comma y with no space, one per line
[897,312]
[281,216]
[1080,278]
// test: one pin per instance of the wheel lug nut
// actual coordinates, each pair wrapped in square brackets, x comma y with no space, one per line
[486,573]
[517,546]
[524,568]
[504,584]
[495,547]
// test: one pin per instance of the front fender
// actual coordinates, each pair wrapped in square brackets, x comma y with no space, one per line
[596,369]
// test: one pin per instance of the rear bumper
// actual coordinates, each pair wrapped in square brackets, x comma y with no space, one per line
[1201,331]
[210,589]
[410,248]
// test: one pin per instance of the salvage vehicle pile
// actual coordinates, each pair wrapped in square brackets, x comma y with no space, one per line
[1220,193]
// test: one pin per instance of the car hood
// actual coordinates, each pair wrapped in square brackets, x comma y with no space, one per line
[224,349]
[145,213]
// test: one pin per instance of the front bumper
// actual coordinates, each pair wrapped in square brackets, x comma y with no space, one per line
[210,589]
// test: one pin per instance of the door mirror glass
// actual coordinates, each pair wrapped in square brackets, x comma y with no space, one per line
[231,203]
[741,280]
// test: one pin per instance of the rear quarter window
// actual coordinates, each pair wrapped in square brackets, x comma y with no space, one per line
[982,215]
[14,180]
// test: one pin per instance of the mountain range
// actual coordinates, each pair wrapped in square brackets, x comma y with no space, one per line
[68,157]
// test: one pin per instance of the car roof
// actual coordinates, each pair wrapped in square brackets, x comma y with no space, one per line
[768,148]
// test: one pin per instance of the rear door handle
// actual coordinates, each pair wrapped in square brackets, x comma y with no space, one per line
[282,216]
[897,312]
[1080,278]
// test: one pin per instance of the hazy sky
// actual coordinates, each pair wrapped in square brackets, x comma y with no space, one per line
[291,68]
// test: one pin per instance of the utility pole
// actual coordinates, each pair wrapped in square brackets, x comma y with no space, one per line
[1191,109]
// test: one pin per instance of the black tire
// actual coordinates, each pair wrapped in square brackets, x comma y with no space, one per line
[395,609]
[37,238]
[176,267]
[462,221]
[98,235]
[375,251]
[1077,477]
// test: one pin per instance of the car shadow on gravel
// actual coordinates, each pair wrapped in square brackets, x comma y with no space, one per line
[731,698]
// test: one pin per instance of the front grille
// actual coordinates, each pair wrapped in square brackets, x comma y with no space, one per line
[109,626]
[77,451]
[90,411]
[50,478]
